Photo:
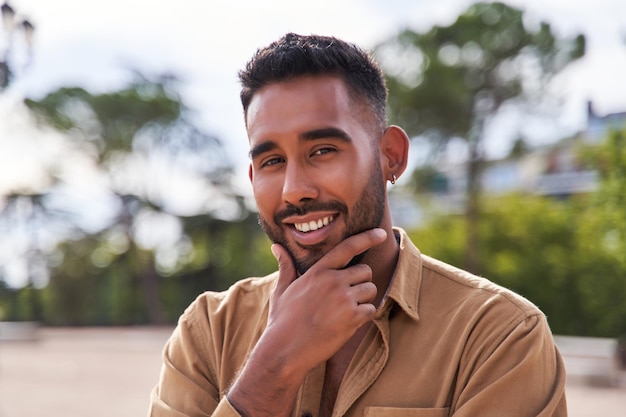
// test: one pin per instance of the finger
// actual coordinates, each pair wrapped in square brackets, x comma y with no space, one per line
[356,274]
[343,253]
[364,292]
[286,270]
[365,312]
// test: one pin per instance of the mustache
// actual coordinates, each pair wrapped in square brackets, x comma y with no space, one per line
[308,207]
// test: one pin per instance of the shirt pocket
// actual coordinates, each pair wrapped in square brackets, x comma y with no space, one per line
[405,412]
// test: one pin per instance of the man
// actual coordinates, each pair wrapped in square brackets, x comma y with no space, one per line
[355,322]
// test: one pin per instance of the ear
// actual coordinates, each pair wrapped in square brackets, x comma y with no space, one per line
[394,151]
[250,172]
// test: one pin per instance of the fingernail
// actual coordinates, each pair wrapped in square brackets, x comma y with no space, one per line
[380,233]
[274,250]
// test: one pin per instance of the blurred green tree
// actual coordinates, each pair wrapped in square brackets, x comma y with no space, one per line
[609,226]
[25,220]
[168,205]
[609,159]
[550,251]
[448,83]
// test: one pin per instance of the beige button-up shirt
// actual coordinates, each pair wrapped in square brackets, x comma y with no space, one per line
[445,343]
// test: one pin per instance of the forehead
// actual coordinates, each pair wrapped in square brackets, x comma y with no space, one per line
[301,103]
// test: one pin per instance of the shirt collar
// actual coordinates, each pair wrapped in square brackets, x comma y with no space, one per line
[407,278]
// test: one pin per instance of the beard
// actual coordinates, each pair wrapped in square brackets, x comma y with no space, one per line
[367,213]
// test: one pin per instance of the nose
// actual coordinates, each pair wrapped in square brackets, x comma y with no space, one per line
[299,185]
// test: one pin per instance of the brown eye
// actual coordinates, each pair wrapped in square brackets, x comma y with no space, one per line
[272,161]
[323,151]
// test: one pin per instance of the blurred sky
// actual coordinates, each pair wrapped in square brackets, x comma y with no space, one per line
[93,43]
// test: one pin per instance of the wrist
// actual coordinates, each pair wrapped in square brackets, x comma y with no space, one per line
[274,358]
[268,383]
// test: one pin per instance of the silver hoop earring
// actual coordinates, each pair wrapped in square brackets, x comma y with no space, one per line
[393,178]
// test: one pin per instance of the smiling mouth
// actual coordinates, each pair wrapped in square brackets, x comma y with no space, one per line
[314,224]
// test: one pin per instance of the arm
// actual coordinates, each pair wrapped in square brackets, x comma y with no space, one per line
[310,318]
[520,375]
[187,384]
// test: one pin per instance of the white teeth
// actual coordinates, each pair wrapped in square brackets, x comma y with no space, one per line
[314,225]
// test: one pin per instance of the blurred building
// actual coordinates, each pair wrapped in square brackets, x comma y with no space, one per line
[554,170]
[599,126]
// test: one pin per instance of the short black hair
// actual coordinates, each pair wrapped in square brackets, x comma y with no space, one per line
[296,55]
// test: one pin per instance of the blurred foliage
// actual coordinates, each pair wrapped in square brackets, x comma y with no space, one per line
[428,179]
[83,293]
[449,82]
[566,256]
[610,201]
[142,140]
[444,81]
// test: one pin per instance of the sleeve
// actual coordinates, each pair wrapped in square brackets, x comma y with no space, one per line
[187,384]
[520,374]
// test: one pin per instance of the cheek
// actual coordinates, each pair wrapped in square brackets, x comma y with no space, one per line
[349,178]
[267,194]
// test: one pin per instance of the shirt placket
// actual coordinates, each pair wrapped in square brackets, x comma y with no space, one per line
[365,368]
[310,393]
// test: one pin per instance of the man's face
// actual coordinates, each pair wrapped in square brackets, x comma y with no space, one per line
[315,170]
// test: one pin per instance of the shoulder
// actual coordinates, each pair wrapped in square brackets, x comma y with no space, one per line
[243,298]
[485,315]
[431,290]
[229,320]
[212,340]
[475,289]
[433,285]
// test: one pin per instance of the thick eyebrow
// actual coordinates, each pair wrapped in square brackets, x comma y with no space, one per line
[262,148]
[325,133]
[311,135]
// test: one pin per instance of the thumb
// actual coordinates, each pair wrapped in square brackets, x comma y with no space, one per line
[286,269]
